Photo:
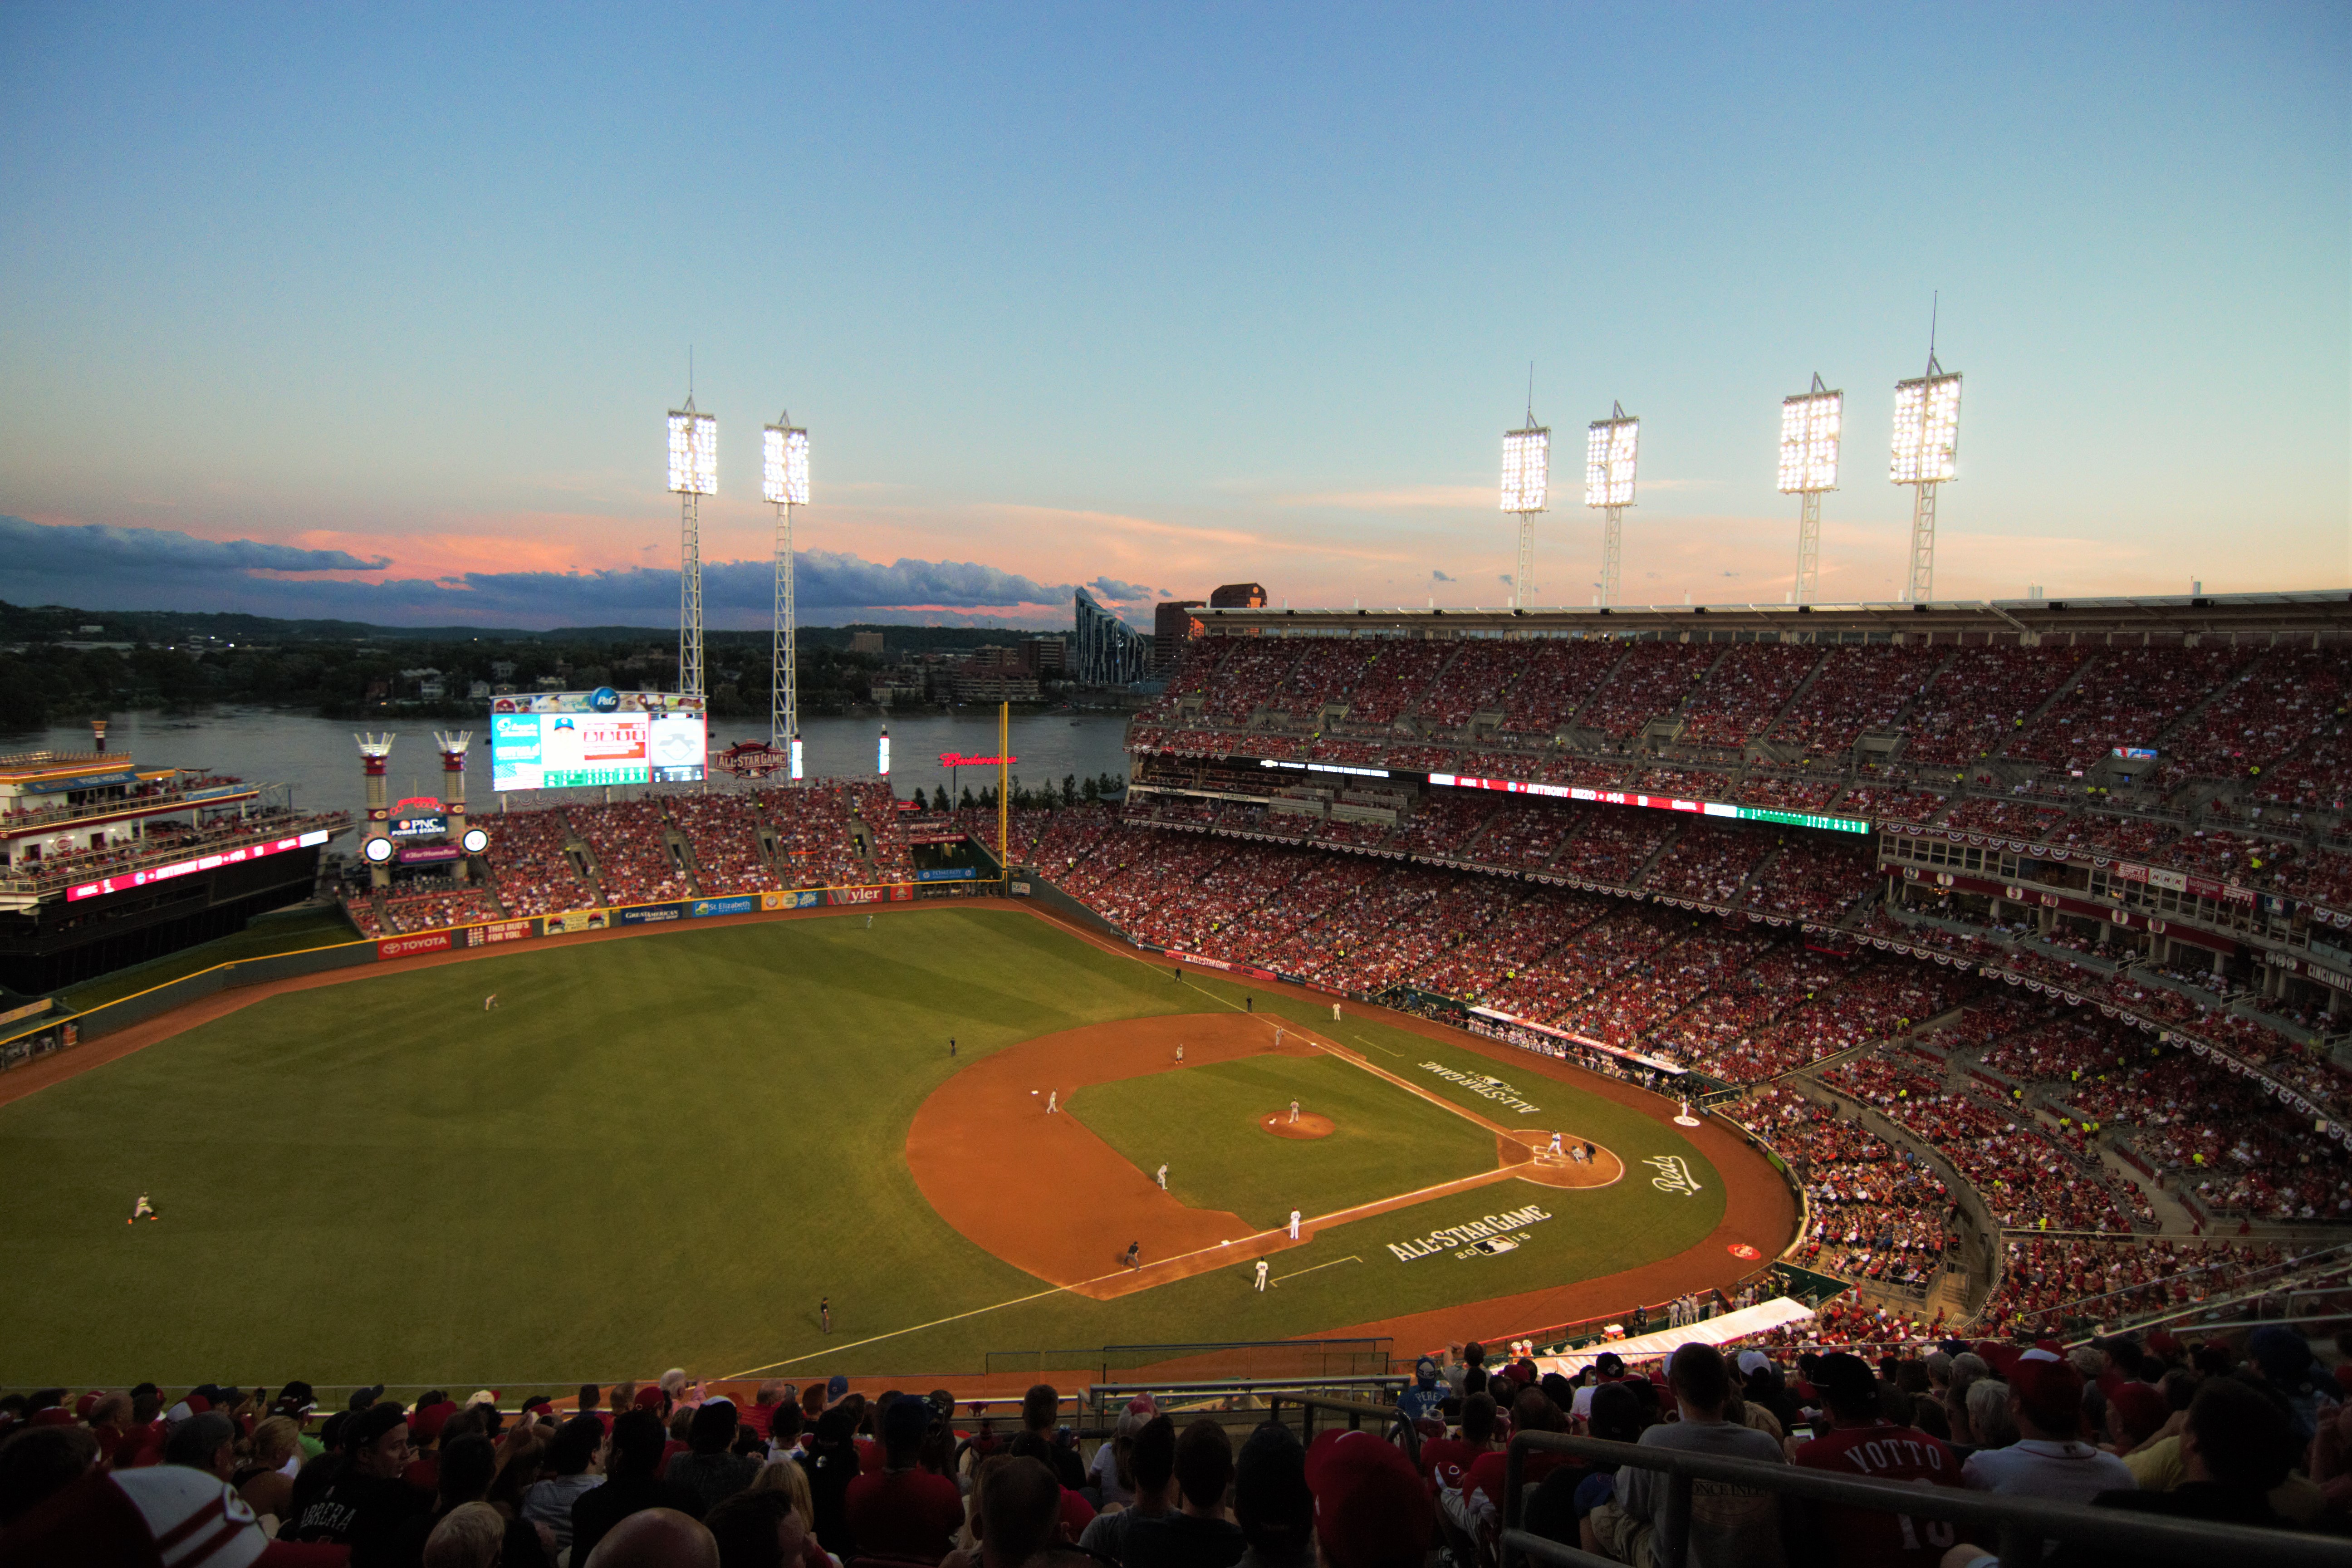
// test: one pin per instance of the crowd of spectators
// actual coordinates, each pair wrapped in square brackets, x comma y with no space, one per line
[527,856]
[2250,1432]
[1877,1213]
[723,833]
[629,843]
[1745,692]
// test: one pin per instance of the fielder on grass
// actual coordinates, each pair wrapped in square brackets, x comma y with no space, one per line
[1261,1273]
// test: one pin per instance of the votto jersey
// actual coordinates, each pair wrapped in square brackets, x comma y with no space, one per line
[1860,1535]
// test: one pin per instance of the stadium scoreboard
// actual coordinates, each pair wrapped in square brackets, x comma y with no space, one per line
[578,740]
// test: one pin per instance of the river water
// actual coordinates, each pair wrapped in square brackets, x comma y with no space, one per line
[318,759]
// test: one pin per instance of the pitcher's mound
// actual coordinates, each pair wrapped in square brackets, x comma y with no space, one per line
[1308,1125]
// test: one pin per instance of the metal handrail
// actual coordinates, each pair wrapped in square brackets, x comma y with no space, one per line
[1209,1388]
[2022,1524]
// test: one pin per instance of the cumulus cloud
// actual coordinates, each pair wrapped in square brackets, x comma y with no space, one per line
[99,568]
[92,548]
[1112,588]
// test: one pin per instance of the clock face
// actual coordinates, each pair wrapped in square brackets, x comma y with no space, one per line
[476,841]
[378,849]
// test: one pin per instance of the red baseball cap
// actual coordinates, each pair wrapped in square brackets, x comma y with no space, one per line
[1371,1508]
[426,1424]
[149,1518]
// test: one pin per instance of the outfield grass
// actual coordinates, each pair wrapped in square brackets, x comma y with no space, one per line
[663,1150]
[1385,1141]
[281,931]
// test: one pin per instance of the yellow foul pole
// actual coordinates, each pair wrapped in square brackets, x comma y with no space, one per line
[1004,784]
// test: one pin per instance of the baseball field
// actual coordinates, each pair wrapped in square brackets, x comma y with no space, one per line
[669,1148]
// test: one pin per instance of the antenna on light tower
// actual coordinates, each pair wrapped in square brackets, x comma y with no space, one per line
[1527,474]
[693,474]
[1612,449]
[1810,436]
[784,483]
[1925,449]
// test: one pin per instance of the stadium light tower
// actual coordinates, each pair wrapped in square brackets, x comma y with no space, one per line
[1526,475]
[693,474]
[1809,463]
[784,483]
[1926,447]
[1611,448]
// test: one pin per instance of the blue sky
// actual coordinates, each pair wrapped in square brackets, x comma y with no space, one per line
[1155,299]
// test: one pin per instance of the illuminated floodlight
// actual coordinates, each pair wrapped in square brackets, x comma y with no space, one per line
[1527,467]
[1809,440]
[693,453]
[1926,429]
[1612,447]
[783,465]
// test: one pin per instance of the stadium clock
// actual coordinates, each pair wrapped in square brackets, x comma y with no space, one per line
[475,841]
[378,849]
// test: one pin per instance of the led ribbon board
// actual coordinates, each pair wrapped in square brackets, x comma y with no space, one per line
[1660,802]
[1926,430]
[1809,441]
[237,856]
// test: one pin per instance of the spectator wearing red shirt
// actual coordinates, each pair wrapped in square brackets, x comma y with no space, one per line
[772,1395]
[1860,1444]
[1479,1500]
[903,1510]
[1445,1459]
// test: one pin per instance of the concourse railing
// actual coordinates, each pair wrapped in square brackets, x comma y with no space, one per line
[2019,1525]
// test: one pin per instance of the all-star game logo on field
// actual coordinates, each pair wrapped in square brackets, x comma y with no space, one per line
[1481,1237]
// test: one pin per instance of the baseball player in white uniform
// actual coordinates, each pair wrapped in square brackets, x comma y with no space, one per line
[1294,1224]
[1555,1152]
[1051,1096]
[1294,1110]
[1261,1273]
[1163,1177]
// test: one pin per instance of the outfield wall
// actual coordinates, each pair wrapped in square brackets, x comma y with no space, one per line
[36,1041]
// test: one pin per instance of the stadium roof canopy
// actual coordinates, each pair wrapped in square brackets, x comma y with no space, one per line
[2328,611]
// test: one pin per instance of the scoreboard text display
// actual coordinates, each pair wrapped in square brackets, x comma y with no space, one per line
[571,751]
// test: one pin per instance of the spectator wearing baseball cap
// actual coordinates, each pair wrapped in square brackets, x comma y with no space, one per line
[1862,1444]
[148,1518]
[37,1463]
[903,1510]
[367,1506]
[1369,1512]
[1729,1527]
[1197,1534]
[2049,1460]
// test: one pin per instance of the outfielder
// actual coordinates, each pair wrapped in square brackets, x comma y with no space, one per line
[1261,1273]
[489,1001]
[141,1210]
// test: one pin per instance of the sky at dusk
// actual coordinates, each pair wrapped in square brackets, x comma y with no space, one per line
[376,313]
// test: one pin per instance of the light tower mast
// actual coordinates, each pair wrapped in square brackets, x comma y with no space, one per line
[1809,463]
[1613,450]
[1526,475]
[1926,452]
[784,483]
[693,474]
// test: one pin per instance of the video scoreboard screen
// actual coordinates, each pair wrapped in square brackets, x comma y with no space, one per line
[597,738]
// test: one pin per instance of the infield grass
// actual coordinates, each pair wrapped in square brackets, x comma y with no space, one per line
[1205,1122]
[663,1149]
